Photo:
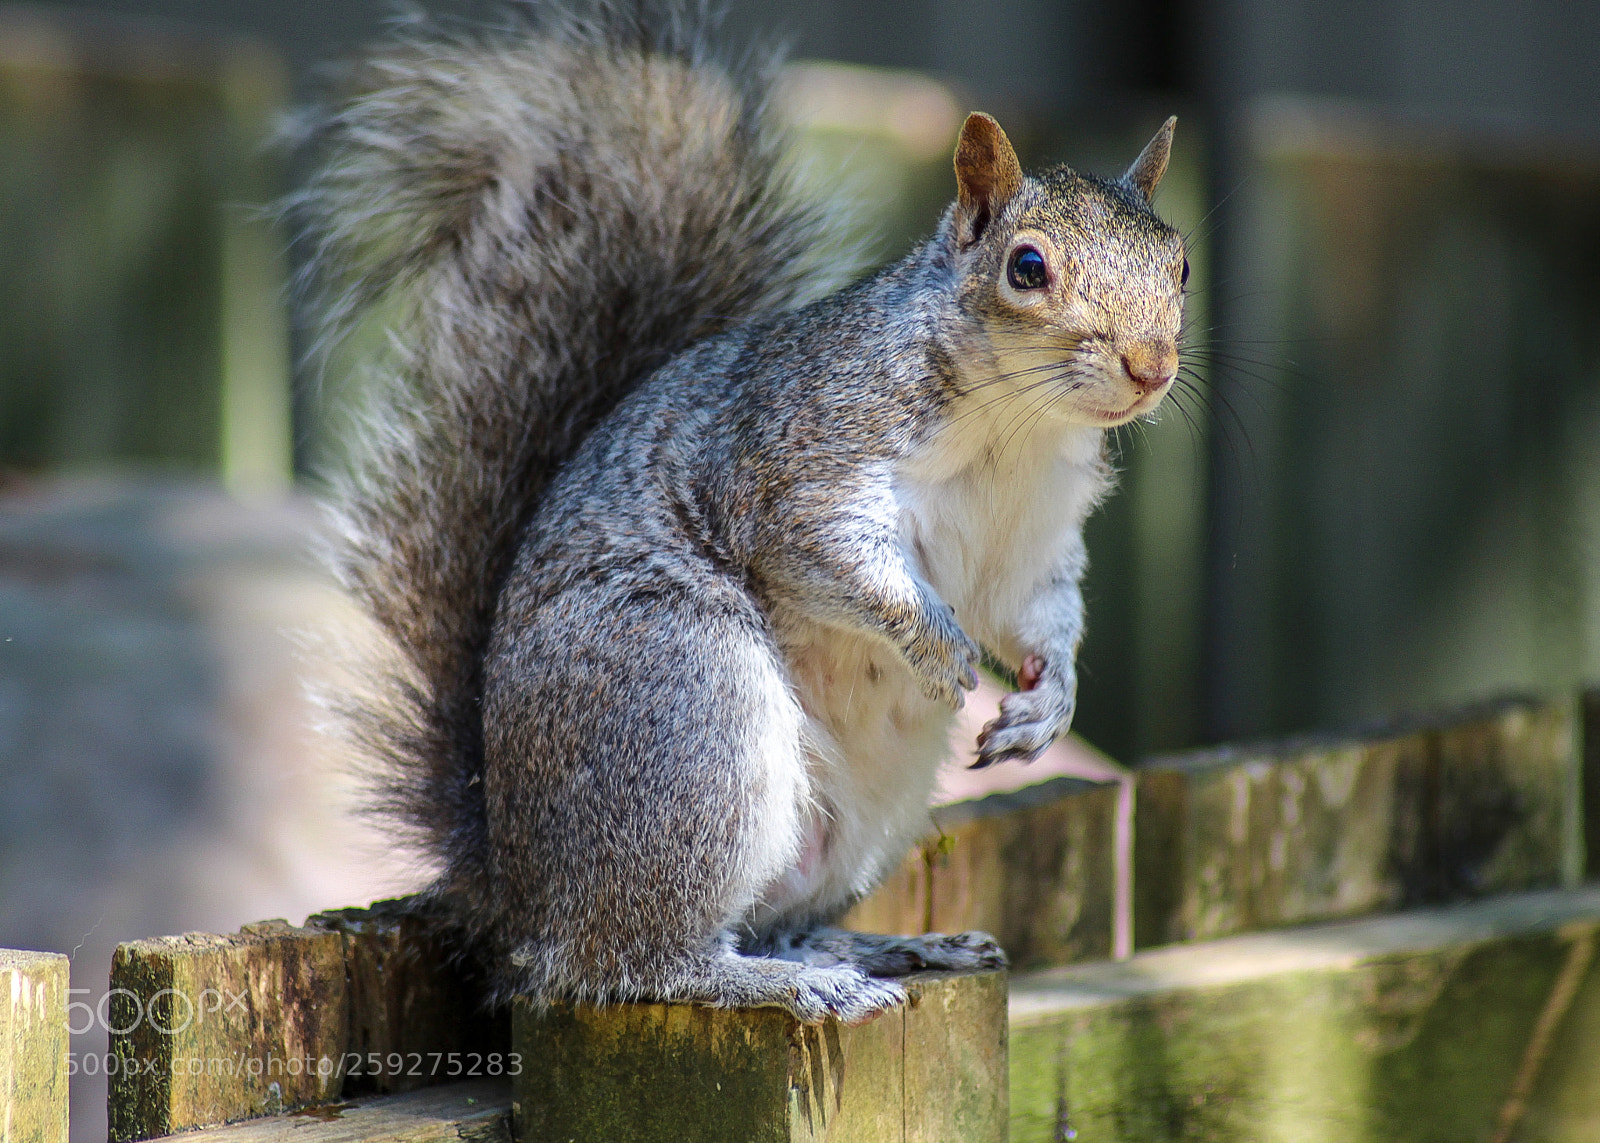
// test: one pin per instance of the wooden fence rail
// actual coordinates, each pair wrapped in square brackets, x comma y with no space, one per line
[275,1019]
[33,1047]
[365,1003]
[1480,801]
[272,1019]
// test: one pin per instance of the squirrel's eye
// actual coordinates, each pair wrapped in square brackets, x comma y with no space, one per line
[1184,279]
[1027,270]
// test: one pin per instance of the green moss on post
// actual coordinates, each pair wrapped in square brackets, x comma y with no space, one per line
[1235,840]
[680,1073]
[415,1011]
[209,1029]
[1510,810]
[1232,841]
[1478,1022]
[957,1061]
[33,1047]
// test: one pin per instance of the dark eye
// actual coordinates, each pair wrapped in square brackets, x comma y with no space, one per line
[1027,270]
[1184,280]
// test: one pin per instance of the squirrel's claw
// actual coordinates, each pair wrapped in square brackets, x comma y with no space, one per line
[1014,743]
[1030,720]
[945,660]
[842,993]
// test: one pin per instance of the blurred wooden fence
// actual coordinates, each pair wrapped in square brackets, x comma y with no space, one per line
[1396,920]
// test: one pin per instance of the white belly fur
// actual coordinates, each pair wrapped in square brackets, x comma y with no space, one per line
[986,535]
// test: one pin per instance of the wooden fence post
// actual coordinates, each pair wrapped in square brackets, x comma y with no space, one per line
[214,1029]
[1244,838]
[1036,868]
[414,1010]
[210,1029]
[33,1047]
[933,1072]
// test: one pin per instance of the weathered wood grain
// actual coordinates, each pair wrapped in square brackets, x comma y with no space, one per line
[1510,807]
[1036,868]
[415,1006]
[680,1073]
[33,1047]
[1470,1022]
[211,1029]
[957,1084]
[1240,839]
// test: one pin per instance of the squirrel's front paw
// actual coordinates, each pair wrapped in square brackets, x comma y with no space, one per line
[1030,720]
[943,658]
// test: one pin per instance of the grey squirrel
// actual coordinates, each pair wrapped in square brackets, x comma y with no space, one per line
[683,560]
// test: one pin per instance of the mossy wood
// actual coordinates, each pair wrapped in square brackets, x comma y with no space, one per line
[1476,1022]
[1035,868]
[33,1047]
[1479,803]
[933,1072]
[1238,840]
[218,1029]
[210,1029]
[415,1008]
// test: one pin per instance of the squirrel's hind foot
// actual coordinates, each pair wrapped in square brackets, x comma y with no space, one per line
[841,992]
[879,955]
[812,994]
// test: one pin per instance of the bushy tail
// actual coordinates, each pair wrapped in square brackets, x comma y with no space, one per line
[544,217]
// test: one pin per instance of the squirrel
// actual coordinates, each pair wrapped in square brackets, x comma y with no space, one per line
[683,555]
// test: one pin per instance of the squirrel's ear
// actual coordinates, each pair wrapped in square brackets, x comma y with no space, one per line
[987,176]
[1151,164]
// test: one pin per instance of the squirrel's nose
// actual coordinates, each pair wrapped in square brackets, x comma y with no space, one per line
[1150,366]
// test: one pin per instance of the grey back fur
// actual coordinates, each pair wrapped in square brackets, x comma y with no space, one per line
[545,247]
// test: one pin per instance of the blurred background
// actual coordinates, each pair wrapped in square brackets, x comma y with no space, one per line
[1379,492]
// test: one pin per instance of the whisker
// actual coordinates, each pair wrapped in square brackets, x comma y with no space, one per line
[1181,396]
[1040,393]
[1063,372]
[1220,399]
[1030,415]
[1218,205]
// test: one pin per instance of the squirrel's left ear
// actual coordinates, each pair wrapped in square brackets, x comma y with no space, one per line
[987,176]
[1151,164]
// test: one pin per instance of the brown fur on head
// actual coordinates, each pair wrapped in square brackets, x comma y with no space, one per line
[1073,280]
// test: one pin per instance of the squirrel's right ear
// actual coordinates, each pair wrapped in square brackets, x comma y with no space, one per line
[1151,164]
[987,176]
